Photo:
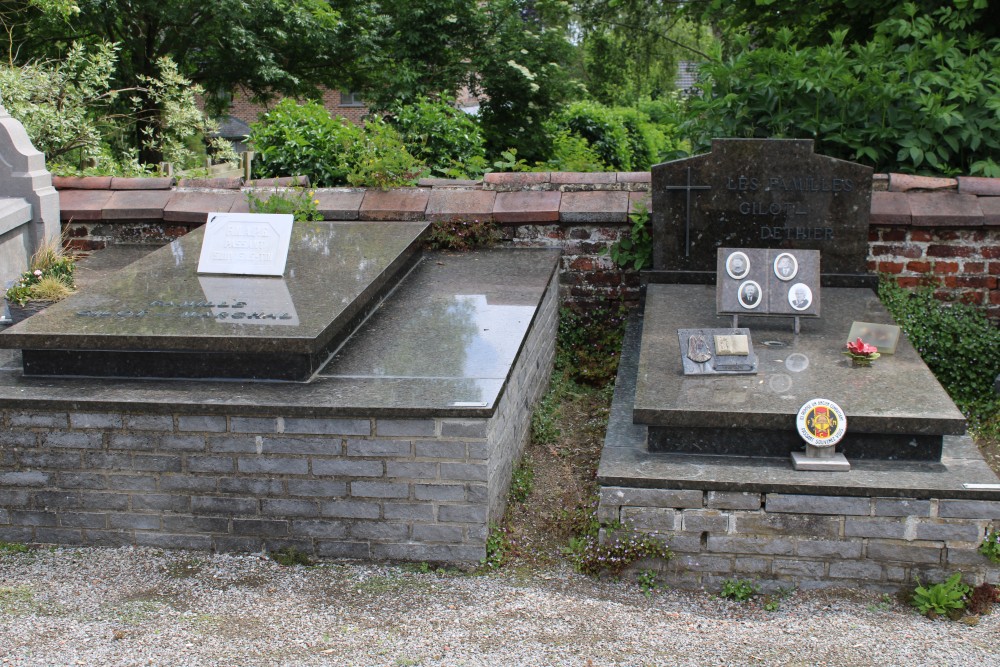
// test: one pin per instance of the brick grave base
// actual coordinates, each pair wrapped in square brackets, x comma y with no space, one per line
[217,477]
[879,526]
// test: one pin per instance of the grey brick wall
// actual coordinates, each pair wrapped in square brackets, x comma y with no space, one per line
[415,489]
[804,540]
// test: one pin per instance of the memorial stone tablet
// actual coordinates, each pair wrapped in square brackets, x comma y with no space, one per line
[246,244]
[760,193]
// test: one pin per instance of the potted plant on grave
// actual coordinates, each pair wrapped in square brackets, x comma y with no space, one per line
[49,278]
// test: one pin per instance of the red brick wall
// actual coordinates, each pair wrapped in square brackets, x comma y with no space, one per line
[962,264]
[249,112]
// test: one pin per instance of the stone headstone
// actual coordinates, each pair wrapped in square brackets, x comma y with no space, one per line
[760,193]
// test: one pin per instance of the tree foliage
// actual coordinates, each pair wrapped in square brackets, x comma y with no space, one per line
[631,48]
[74,115]
[813,21]
[922,95]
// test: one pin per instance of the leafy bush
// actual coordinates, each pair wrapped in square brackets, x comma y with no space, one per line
[378,158]
[303,139]
[603,131]
[956,341]
[296,201]
[921,96]
[444,137]
[941,598]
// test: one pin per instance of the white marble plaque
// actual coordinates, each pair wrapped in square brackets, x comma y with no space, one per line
[246,244]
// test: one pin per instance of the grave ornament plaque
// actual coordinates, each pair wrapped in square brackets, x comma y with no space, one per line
[246,244]
[717,351]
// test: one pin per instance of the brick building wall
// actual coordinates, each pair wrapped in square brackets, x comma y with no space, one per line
[336,102]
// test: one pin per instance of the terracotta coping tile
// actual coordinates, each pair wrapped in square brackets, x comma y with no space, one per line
[159,183]
[594,207]
[233,183]
[890,208]
[906,182]
[527,206]
[568,177]
[634,177]
[945,209]
[137,205]
[399,204]
[81,182]
[451,204]
[510,179]
[195,206]
[636,198]
[83,204]
[991,210]
[979,185]
[340,204]
[447,183]
[241,204]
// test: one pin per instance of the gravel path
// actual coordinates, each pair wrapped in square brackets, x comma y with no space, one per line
[150,607]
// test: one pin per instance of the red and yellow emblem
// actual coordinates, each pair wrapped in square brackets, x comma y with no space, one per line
[821,422]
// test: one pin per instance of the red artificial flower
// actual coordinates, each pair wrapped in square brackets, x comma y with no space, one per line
[862,348]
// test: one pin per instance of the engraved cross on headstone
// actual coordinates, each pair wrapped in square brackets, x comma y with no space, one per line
[687,209]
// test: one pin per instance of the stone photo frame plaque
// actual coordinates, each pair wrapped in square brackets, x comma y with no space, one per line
[775,282]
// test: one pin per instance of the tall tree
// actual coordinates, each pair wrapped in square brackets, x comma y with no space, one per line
[632,48]
[266,47]
[521,68]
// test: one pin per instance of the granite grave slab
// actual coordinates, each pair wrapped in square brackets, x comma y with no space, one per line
[759,193]
[897,409]
[160,318]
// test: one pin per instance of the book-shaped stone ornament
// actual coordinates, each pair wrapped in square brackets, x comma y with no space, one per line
[717,352]
[759,281]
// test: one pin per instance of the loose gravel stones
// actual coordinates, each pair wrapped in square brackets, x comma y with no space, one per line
[150,607]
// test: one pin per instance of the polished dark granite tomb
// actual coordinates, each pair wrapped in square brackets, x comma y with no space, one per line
[159,318]
[896,409]
[442,344]
[627,462]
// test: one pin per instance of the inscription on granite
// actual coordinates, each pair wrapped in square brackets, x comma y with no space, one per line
[760,193]
[247,244]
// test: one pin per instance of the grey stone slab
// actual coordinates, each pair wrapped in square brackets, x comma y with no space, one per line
[443,344]
[160,318]
[897,395]
[627,463]
[760,193]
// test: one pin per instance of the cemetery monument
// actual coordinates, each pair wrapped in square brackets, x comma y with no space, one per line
[707,459]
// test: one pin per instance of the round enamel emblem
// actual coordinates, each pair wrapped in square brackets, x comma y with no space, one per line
[821,422]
